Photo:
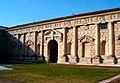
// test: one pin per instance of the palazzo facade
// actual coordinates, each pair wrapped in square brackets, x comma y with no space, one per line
[88,38]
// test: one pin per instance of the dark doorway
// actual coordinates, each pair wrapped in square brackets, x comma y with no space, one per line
[53,51]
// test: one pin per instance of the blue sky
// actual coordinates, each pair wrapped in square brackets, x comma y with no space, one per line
[16,12]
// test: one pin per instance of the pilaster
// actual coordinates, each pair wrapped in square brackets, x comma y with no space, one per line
[35,42]
[97,57]
[74,49]
[18,45]
[111,58]
[111,31]
[24,43]
[63,57]
[41,45]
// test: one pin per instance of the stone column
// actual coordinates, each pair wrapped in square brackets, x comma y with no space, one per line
[41,45]
[111,58]
[64,41]
[97,41]
[35,42]
[97,58]
[23,43]
[111,30]
[18,44]
[73,56]
[63,57]
[41,59]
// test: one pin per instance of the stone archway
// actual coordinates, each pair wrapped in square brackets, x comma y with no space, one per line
[53,51]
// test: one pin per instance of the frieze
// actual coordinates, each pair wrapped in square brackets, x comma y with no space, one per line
[57,24]
[71,22]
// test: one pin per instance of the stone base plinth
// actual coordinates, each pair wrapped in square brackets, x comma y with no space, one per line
[62,59]
[85,60]
[109,60]
[118,60]
[72,60]
[97,60]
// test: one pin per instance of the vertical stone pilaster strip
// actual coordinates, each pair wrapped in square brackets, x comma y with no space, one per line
[74,51]
[18,42]
[97,41]
[110,26]
[63,57]
[64,40]
[41,45]
[35,42]
[74,42]
[24,43]
[111,58]
[97,58]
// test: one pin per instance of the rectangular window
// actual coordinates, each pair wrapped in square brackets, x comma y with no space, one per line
[103,25]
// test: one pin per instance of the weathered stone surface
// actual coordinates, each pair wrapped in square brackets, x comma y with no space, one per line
[74,39]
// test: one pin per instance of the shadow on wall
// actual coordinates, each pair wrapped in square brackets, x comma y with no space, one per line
[12,50]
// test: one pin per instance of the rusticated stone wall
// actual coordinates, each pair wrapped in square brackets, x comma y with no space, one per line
[80,40]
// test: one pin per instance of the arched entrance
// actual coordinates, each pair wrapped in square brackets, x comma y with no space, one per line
[53,51]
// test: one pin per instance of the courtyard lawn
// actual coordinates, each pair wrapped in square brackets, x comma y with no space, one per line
[43,73]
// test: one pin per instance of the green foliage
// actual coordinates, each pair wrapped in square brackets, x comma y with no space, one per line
[43,73]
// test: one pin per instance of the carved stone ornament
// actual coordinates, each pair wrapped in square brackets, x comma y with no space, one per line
[47,32]
[53,34]
[29,43]
[86,38]
[117,38]
[30,37]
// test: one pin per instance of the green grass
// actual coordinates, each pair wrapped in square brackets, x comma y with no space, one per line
[43,73]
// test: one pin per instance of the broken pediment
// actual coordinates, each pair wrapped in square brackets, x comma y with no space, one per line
[52,31]
[117,37]
[86,38]
[48,32]
[53,34]
[29,43]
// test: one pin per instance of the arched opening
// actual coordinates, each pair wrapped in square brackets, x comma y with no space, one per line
[53,51]
[102,48]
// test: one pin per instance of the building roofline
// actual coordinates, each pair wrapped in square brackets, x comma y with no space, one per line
[65,17]
[3,27]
